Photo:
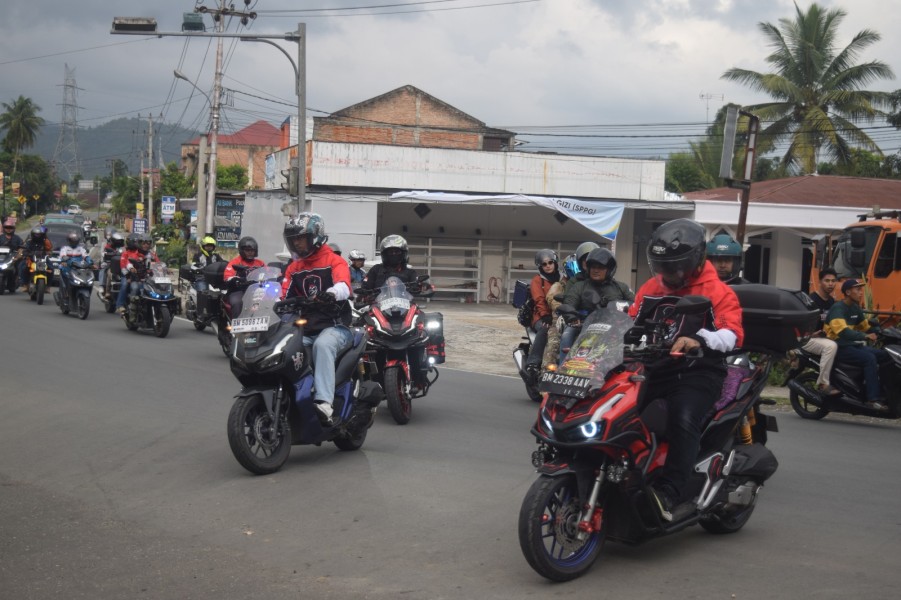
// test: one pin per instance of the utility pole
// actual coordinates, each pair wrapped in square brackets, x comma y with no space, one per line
[149,172]
[214,129]
[200,221]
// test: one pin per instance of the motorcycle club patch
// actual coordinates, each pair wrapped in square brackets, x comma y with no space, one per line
[311,285]
[298,360]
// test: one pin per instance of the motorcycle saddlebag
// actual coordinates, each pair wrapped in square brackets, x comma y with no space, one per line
[520,293]
[755,461]
[184,272]
[435,348]
[213,274]
[775,319]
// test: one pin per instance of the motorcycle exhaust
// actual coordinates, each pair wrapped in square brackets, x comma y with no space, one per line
[809,394]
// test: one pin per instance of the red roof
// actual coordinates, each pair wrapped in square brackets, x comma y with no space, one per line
[260,133]
[815,190]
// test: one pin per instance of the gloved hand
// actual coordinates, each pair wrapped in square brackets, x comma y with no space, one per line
[326,296]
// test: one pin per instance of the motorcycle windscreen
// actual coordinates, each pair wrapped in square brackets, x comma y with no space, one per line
[597,350]
[257,310]
[394,297]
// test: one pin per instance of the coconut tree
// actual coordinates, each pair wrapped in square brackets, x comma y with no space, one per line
[21,122]
[817,89]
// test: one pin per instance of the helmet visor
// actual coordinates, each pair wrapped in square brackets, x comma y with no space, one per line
[674,273]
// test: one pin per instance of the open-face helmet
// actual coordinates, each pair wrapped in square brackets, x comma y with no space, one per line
[724,246]
[356,255]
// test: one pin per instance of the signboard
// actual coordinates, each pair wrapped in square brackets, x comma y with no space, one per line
[139,226]
[85,185]
[231,209]
[167,207]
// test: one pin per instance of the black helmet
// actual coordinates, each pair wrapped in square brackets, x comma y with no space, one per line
[309,225]
[676,251]
[38,233]
[604,258]
[116,240]
[545,255]
[72,239]
[245,244]
[582,251]
[131,242]
[394,251]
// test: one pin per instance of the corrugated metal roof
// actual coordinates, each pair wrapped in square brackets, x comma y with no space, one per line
[814,190]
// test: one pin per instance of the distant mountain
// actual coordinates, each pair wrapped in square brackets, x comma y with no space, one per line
[125,139]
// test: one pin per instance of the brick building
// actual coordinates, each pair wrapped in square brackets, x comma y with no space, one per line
[247,148]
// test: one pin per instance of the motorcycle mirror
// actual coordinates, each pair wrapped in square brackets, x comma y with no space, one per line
[422,278]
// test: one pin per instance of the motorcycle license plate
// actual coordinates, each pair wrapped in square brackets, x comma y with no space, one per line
[162,280]
[394,303]
[56,271]
[564,385]
[250,324]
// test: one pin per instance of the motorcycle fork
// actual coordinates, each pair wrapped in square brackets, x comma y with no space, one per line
[590,519]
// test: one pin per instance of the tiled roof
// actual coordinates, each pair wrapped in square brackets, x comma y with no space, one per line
[814,190]
[260,133]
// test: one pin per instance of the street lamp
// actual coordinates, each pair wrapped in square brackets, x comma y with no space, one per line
[147,26]
[206,207]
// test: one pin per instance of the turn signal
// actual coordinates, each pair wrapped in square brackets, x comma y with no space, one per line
[300,322]
[551,367]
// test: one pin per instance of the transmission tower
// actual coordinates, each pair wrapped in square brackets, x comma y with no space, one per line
[65,157]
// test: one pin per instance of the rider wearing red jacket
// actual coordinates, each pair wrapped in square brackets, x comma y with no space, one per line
[133,264]
[236,270]
[676,255]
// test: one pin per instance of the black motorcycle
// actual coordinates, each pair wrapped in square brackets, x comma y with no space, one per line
[76,293]
[8,263]
[274,409]
[155,306]
[112,279]
[810,403]
[520,354]
[205,300]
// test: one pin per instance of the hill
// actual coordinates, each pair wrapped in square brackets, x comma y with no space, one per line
[123,139]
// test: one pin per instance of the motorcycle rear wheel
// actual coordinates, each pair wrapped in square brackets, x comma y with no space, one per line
[727,522]
[353,440]
[548,528]
[83,305]
[162,321]
[397,395]
[250,431]
[39,289]
[805,409]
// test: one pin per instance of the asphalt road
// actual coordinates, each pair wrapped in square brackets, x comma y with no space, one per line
[116,481]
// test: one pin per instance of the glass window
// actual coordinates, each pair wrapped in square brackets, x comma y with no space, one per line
[885,262]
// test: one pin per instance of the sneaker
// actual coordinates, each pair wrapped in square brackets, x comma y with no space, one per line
[532,373]
[120,310]
[324,411]
[877,405]
[828,390]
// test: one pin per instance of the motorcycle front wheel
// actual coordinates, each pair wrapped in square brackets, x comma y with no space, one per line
[397,395]
[83,305]
[259,445]
[225,338]
[162,319]
[549,533]
[805,409]
[39,289]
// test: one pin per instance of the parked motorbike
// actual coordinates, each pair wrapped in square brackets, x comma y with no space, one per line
[274,409]
[155,306]
[77,290]
[601,443]
[8,264]
[202,286]
[39,275]
[112,279]
[405,344]
[810,403]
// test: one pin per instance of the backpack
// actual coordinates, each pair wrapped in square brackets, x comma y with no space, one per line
[524,316]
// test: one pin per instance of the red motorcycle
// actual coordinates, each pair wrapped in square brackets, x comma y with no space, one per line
[405,343]
[601,442]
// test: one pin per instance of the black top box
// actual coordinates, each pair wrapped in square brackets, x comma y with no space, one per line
[775,319]
[213,274]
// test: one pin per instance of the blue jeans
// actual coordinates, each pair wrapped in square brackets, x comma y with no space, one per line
[125,288]
[869,359]
[566,340]
[327,344]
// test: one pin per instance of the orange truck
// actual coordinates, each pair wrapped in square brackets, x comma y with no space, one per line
[868,250]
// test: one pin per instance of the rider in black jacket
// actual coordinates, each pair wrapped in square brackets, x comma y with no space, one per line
[393,250]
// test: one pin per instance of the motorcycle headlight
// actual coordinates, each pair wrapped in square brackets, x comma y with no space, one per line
[432,325]
[595,425]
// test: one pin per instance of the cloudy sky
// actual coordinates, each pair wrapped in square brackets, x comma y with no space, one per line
[632,76]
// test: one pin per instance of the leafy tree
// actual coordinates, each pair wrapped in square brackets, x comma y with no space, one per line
[174,183]
[894,119]
[232,177]
[816,88]
[21,122]
[683,174]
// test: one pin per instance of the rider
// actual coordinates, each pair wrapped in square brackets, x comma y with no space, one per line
[600,267]
[821,345]
[73,248]
[357,273]
[317,272]
[114,242]
[846,324]
[204,256]
[394,253]
[548,275]
[236,270]
[725,255]
[10,239]
[133,264]
[691,387]
[37,242]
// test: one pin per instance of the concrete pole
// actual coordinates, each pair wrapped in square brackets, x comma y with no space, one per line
[149,172]
[301,117]
[214,133]
[200,222]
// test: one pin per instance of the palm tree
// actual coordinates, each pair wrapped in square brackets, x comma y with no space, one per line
[816,87]
[21,122]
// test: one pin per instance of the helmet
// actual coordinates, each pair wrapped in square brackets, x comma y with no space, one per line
[245,244]
[723,245]
[571,267]
[394,251]
[356,255]
[207,241]
[141,239]
[73,239]
[545,255]
[604,258]
[131,242]
[582,252]
[676,251]
[307,225]
[38,233]
[116,240]
[108,231]
[335,248]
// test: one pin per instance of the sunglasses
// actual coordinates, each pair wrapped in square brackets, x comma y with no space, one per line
[545,264]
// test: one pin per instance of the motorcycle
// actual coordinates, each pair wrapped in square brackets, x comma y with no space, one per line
[155,306]
[274,409]
[112,279]
[810,403]
[519,357]
[405,344]
[77,290]
[8,275]
[601,444]
[39,275]
[212,293]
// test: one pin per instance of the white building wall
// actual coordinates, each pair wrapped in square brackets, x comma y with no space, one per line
[786,264]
